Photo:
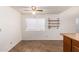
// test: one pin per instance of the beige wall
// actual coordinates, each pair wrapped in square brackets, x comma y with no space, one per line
[68,20]
[10,25]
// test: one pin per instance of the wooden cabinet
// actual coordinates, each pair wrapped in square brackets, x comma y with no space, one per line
[75,49]
[70,45]
[75,46]
[67,44]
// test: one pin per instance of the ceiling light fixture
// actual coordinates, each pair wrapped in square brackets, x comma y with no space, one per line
[33,10]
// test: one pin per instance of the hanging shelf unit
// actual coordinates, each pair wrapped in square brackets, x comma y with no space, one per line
[53,23]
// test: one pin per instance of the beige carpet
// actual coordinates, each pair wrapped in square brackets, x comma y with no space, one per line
[39,46]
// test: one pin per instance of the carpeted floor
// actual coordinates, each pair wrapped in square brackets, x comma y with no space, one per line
[39,46]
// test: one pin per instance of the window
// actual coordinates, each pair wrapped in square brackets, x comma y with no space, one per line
[35,24]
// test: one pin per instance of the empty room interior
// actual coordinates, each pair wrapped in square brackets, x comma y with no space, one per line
[39,29]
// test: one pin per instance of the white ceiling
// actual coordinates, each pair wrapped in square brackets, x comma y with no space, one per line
[46,9]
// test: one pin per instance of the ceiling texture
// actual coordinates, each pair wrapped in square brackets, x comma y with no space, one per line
[46,9]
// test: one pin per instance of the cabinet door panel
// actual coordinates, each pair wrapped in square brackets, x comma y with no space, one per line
[67,44]
[75,46]
[75,49]
[75,43]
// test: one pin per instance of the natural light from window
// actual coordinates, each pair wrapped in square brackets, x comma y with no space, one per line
[35,24]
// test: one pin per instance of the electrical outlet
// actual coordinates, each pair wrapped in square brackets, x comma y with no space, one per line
[10,42]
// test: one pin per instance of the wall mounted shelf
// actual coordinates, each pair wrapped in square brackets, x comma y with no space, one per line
[53,23]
